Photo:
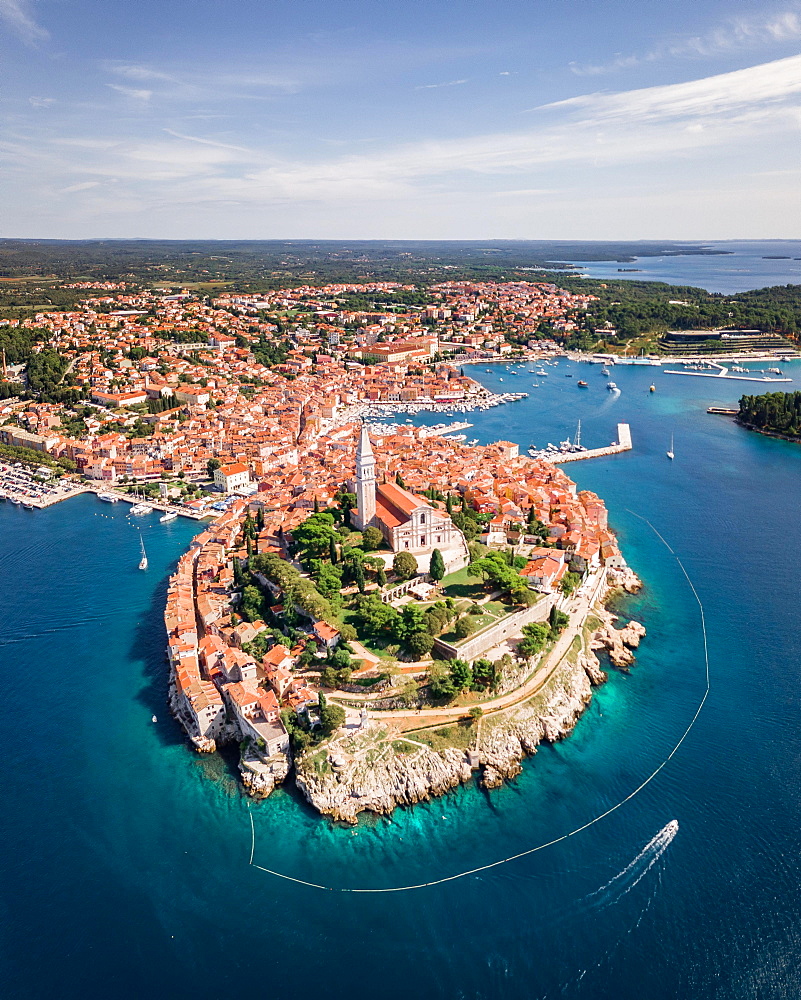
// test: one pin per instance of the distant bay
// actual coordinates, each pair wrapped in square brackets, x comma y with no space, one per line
[737,266]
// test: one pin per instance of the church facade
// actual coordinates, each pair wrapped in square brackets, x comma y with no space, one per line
[409,523]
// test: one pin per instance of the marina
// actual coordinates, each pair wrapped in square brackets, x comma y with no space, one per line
[721,372]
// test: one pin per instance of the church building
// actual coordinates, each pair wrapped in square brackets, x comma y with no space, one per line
[408,522]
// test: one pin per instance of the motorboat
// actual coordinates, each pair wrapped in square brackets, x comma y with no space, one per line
[581,384]
[612,387]
[141,508]
[170,515]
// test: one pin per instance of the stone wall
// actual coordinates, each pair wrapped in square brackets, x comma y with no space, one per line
[493,635]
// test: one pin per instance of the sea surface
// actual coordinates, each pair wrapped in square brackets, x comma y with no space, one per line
[125,870]
[737,266]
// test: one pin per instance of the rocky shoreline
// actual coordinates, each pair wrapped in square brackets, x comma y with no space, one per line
[402,771]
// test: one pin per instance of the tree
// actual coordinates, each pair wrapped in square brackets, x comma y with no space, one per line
[211,465]
[252,603]
[332,550]
[439,680]
[405,565]
[331,716]
[569,583]
[461,675]
[420,644]
[558,621]
[327,577]
[476,712]
[436,569]
[313,536]
[381,577]
[533,639]
[372,539]
[464,628]
[485,674]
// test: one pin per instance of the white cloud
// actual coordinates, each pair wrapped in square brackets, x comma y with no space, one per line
[736,34]
[134,93]
[768,83]
[133,71]
[205,142]
[18,18]
[41,102]
[436,86]
[83,186]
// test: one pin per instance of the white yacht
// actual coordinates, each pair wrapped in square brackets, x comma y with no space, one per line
[170,515]
[141,508]
[143,560]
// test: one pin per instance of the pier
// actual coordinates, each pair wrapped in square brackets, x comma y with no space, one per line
[623,444]
[724,373]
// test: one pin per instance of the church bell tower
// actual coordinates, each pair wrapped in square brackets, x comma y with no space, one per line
[365,481]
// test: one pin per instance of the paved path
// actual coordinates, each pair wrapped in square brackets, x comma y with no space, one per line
[579,610]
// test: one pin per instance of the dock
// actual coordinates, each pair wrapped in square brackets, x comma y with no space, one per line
[723,372]
[722,410]
[623,444]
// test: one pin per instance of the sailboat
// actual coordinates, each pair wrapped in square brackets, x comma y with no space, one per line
[670,454]
[143,560]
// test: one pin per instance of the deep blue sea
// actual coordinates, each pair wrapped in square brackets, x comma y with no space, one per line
[125,872]
[737,266]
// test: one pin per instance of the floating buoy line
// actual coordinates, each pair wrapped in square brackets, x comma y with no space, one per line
[549,843]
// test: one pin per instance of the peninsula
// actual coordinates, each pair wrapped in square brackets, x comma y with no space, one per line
[379,610]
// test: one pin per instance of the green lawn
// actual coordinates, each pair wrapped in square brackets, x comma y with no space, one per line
[493,611]
[460,585]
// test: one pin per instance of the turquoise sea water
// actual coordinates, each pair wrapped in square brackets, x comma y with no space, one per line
[125,865]
[744,264]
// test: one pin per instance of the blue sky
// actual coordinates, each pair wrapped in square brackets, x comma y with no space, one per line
[342,119]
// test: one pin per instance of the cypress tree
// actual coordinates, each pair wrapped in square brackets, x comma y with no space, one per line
[436,569]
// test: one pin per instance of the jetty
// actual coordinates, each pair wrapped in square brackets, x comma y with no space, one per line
[723,411]
[622,444]
[723,372]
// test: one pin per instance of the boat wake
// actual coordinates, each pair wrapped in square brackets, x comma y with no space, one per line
[635,870]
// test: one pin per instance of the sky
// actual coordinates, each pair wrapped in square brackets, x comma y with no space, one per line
[427,119]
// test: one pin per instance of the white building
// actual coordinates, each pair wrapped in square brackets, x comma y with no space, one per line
[230,478]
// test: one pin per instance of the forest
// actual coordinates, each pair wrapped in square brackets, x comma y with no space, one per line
[775,412]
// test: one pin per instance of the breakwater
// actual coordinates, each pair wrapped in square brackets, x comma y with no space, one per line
[623,444]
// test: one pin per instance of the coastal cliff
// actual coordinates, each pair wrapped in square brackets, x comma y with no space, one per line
[343,779]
